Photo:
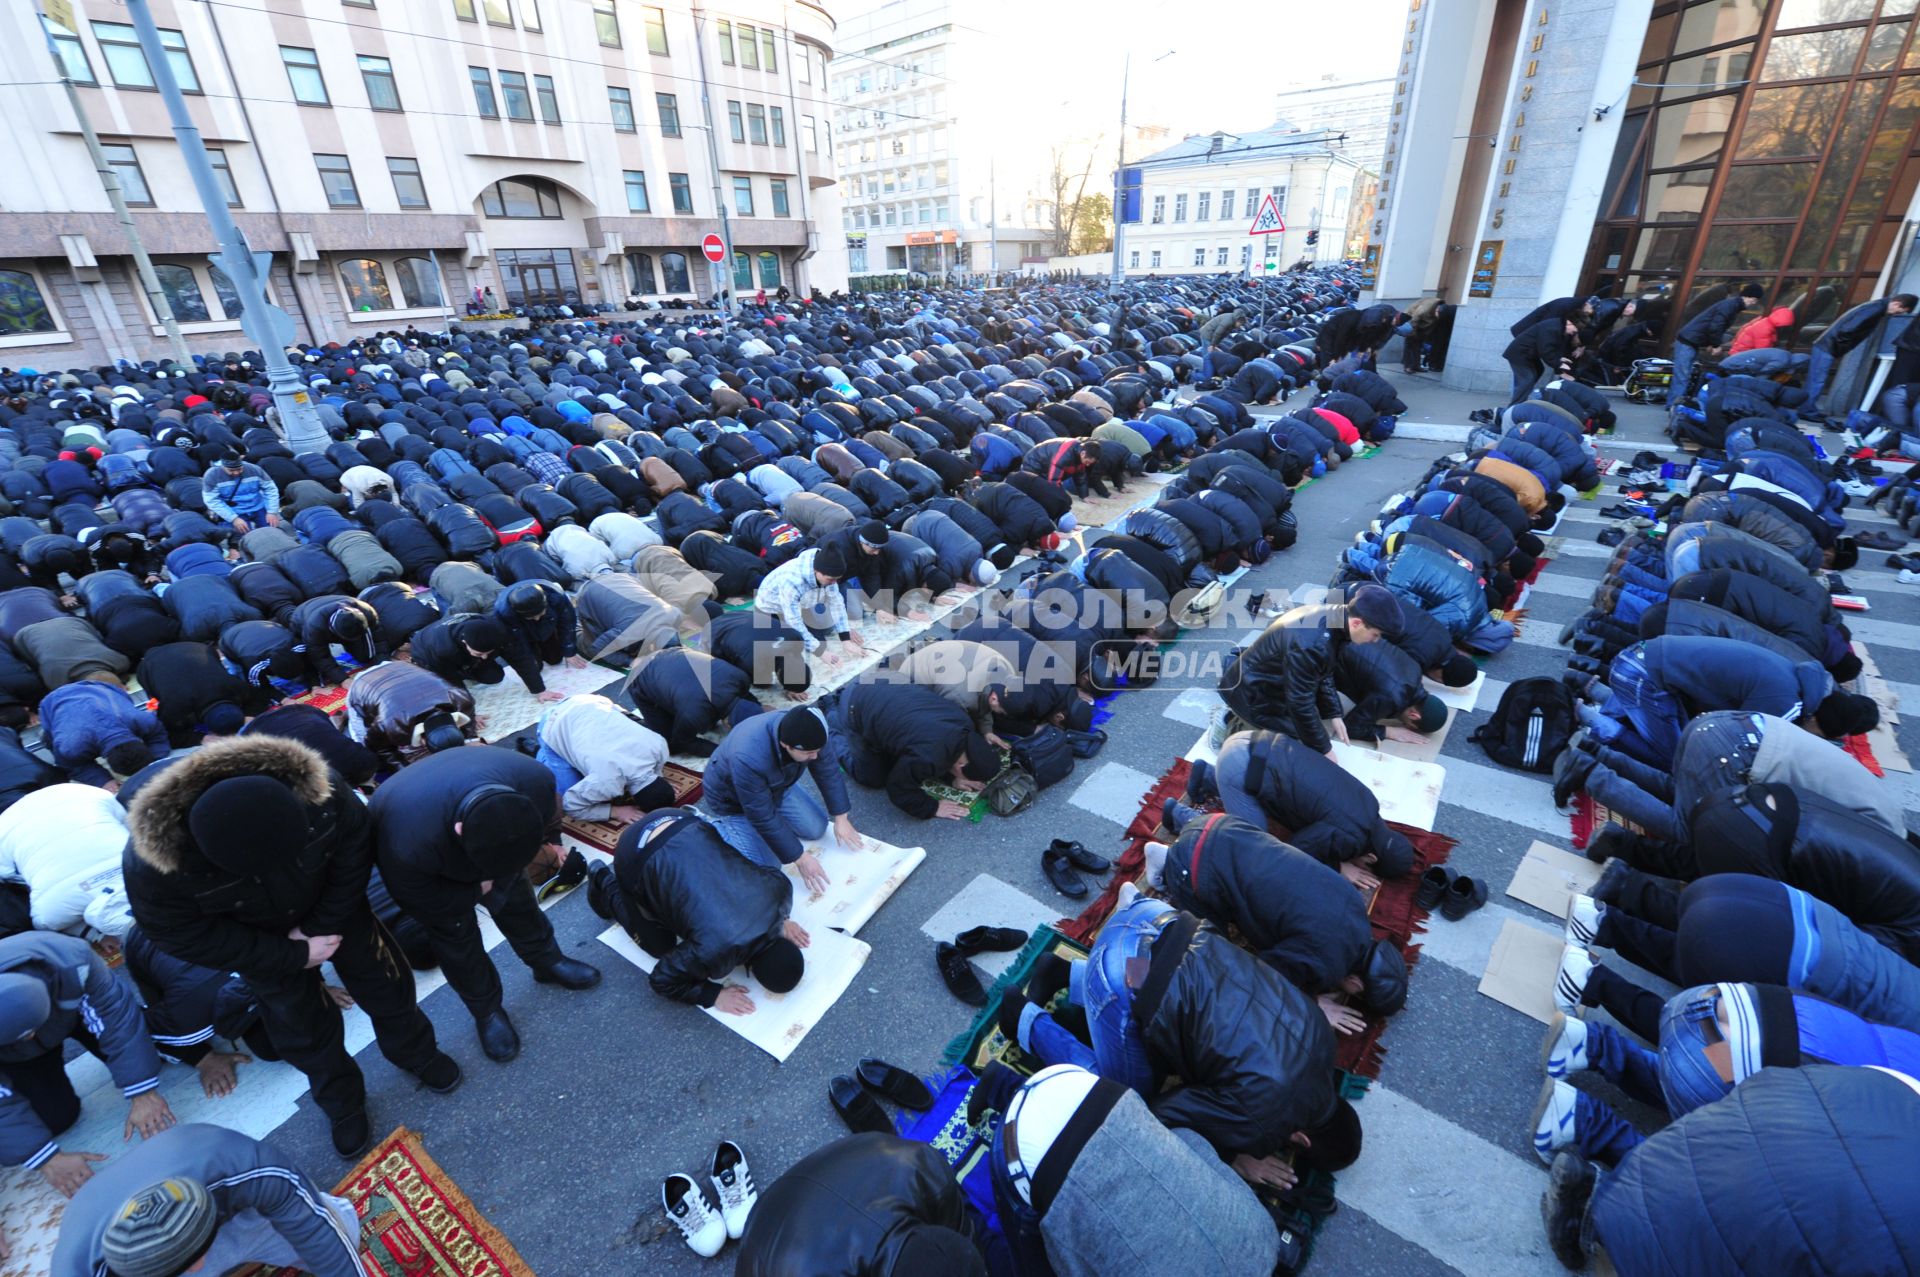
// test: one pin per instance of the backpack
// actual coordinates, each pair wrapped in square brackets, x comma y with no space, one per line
[1047,755]
[1531,725]
[1011,792]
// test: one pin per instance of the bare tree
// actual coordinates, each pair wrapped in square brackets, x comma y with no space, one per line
[1066,208]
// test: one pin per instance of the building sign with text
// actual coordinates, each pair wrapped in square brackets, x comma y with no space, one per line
[1486,268]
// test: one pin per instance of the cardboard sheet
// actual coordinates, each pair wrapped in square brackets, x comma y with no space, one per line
[1459,699]
[1522,969]
[1425,750]
[780,1021]
[507,706]
[1409,792]
[859,882]
[1548,876]
[881,641]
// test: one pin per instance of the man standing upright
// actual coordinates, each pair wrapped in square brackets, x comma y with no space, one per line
[240,493]
[1704,332]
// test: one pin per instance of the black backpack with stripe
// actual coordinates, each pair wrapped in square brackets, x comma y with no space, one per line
[1530,726]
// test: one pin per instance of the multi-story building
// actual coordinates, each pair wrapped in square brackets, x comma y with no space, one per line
[1358,109]
[1197,200]
[395,156]
[937,170]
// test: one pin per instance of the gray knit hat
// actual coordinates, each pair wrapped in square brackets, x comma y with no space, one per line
[160,1230]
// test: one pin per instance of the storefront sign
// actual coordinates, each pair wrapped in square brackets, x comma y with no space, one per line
[1486,268]
[932,237]
[1370,267]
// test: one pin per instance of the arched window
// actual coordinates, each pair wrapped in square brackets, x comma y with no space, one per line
[640,269]
[365,281]
[183,293]
[418,280]
[673,273]
[769,270]
[742,269]
[523,197]
[223,289]
[23,309]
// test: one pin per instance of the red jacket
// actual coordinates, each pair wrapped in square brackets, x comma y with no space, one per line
[1762,333]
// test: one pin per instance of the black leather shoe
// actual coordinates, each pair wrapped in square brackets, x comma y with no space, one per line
[1081,857]
[860,1111]
[600,882]
[351,1135]
[891,1082]
[1059,871]
[957,973]
[990,940]
[1463,897]
[1434,885]
[498,1038]
[1570,772]
[568,973]
[441,1074]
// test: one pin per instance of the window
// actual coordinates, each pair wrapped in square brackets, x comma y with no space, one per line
[769,270]
[806,67]
[742,269]
[521,197]
[682,202]
[1220,258]
[749,51]
[128,65]
[1280,199]
[124,163]
[736,122]
[418,279]
[365,283]
[336,175]
[779,185]
[1246,254]
[673,271]
[810,129]
[530,14]
[1226,205]
[1156,259]
[637,192]
[224,291]
[757,124]
[767,59]
[182,290]
[498,14]
[620,102]
[1253,200]
[779,126]
[303,72]
[463,10]
[1199,257]
[1200,206]
[606,23]
[408,187]
[549,100]
[223,174]
[483,92]
[73,65]
[23,307]
[726,42]
[1159,208]
[513,89]
[538,276]
[656,29]
[358,4]
[640,271]
[743,196]
[377,74]
[1180,208]
[1133,259]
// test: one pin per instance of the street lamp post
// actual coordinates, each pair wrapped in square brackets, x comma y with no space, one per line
[1120,171]
[260,319]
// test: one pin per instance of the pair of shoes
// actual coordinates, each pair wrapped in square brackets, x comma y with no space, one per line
[1464,895]
[568,973]
[1060,860]
[1435,883]
[441,1074]
[1555,1126]
[1570,981]
[1648,460]
[1563,1207]
[1565,1049]
[989,940]
[1610,536]
[572,872]
[957,974]
[1903,562]
[1583,920]
[705,1229]
[1619,510]
[893,1083]
[352,1135]
[498,1038]
[1570,772]
[860,1111]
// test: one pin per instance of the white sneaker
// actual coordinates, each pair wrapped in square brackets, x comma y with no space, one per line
[1554,1127]
[1583,919]
[733,1185]
[1576,964]
[1909,577]
[699,1223]
[1857,488]
[1565,1048]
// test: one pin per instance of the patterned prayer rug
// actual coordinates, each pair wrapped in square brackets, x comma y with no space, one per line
[603,835]
[415,1221]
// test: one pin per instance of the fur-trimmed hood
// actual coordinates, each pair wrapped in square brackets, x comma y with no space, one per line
[158,820]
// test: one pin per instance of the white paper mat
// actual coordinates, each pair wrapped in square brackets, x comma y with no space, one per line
[1409,792]
[507,706]
[1459,699]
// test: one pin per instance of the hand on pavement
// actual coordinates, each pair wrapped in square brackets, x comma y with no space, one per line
[733,1000]
[1405,735]
[148,1114]
[1270,1171]
[796,933]
[217,1075]
[68,1171]
[623,814]
[811,872]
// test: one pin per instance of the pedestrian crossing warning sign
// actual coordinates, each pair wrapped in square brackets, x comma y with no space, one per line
[1267,220]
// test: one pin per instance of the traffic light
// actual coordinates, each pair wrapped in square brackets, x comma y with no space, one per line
[1313,237]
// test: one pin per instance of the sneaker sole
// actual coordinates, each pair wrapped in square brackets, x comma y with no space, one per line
[1540,1106]
[1566,993]
[1555,1027]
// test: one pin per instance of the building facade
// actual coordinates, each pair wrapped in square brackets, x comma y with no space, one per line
[1358,109]
[1196,202]
[936,171]
[396,156]
[1541,148]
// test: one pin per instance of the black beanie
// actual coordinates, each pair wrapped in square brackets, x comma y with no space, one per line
[1459,670]
[1847,668]
[1845,714]
[983,760]
[1433,714]
[500,830]
[227,818]
[802,729]
[1653,621]
[484,633]
[779,965]
[873,532]
[1376,605]
[1336,1141]
[828,561]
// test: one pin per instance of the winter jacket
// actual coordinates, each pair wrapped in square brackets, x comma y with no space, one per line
[626,534]
[1577,465]
[206,605]
[847,1209]
[22,772]
[614,755]
[1706,329]
[413,544]
[82,721]
[1756,518]
[314,624]
[1427,576]
[715,908]
[82,994]
[366,561]
[387,703]
[186,680]
[619,616]
[904,735]
[236,916]
[1730,1189]
[63,843]
[402,613]
[267,589]
[1762,333]
[1300,916]
[313,727]
[1710,673]
[1327,811]
[1381,680]
[423,862]
[1544,343]
[1283,680]
[689,692]
[463,587]
[1022,520]
[1852,328]
[751,773]
[531,644]
[250,495]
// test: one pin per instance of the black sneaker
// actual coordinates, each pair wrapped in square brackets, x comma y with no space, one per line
[352,1136]
[957,973]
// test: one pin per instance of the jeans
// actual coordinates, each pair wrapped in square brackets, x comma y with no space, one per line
[1230,775]
[1895,404]
[1613,784]
[1099,986]
[805,814]
[1019,1221]
[565,774]
[1525,373]
[1819,367]
[1640,717]
[1683,357]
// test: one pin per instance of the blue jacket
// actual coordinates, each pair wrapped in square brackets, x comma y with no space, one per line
[1797,1171]
[1715,673]
[197,559]
[751,772]
[525,639]
[1711,324]
[1425,576]
[84,720]
[1837,1036]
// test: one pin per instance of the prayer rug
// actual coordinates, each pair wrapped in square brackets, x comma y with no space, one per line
[974,802]
[603,835]
[328,700]
[1861,748]
[415,1221]
[507,707]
